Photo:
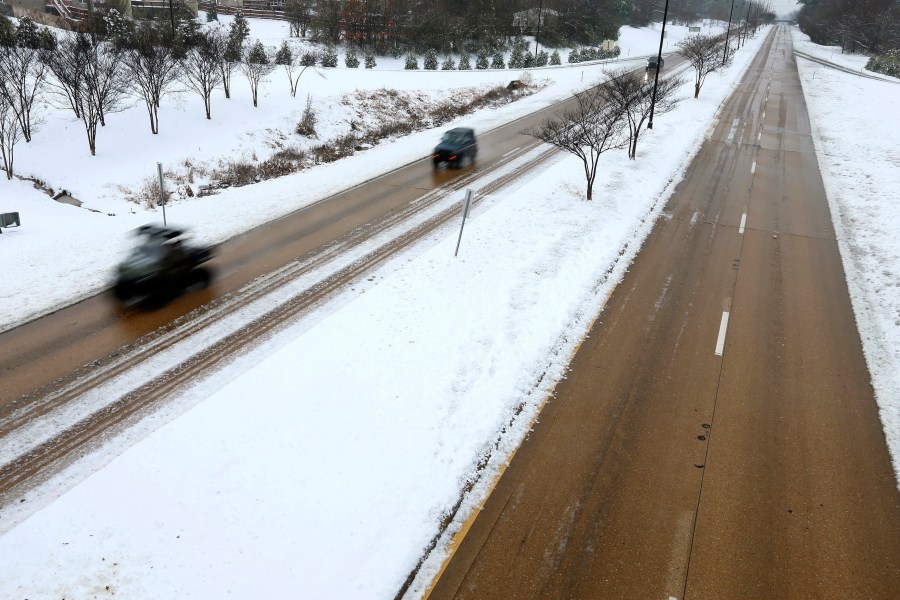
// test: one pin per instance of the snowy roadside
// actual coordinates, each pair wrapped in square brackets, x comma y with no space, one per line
[859,156]
[63,254]
[324,462]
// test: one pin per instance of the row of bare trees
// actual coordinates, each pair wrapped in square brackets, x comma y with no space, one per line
[608,116]
[612,114]
[95,77]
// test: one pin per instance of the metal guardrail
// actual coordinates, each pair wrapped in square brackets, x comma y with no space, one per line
[150,4]
[256,13]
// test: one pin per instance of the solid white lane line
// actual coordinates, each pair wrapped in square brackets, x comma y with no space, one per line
[743,223]
[753,168]
[510,152]
[723,327]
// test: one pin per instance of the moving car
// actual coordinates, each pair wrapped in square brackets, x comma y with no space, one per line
[651,63]
[161,267]
[457,148]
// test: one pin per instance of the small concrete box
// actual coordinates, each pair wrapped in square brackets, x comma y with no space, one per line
[9,220]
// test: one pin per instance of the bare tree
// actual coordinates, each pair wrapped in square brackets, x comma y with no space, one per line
[634,97]
[642,12]
[256,65]
[22,77]
[299,15]
[703,52]
[89,78]
[588,130]
[10,134]
[66,65]
[200,68]
[231,57]
[106,79]
[152,68]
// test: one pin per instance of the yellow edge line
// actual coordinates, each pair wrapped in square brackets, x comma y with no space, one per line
[460,535]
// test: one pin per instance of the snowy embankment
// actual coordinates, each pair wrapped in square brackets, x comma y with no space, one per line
[854,125]
[62,254]
[322,464]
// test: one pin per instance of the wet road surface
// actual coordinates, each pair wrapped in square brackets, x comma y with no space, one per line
[717,436]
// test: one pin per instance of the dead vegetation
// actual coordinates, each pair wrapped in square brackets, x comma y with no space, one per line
[373,119]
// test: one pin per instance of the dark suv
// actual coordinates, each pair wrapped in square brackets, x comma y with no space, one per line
[651,63]
[458,147]
[160,267]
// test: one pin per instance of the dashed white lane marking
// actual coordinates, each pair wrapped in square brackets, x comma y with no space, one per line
[723,327]
[510,152]
[743,223]
[753,168]
[759,137]
[734,127]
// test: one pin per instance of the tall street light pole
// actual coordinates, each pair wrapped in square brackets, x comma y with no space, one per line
[747,22]
[727,31]
[662,36]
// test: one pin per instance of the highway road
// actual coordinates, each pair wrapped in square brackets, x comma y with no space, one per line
[55,361]
[717,436]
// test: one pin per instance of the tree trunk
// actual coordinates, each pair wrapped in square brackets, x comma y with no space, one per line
[8,162]
[92,138]
[25,122]
[696,90]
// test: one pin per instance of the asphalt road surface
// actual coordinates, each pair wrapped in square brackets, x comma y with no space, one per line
[717,436]
[35,355]
[53,362]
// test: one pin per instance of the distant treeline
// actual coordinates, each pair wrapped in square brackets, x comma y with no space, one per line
[400,26]
[866,26]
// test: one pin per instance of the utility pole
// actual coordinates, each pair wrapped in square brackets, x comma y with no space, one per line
[727,32]
[662,36]
[172,18]
[91,22]
[747,22]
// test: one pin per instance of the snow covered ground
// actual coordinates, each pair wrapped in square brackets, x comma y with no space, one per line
[321,464]
[62,253]
[858,147]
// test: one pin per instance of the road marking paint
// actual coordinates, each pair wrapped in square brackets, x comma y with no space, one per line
[753,168]
[743,223]
[759,137]
[723,327]
[510,152]
[764,115]
[694,217]
[731,133]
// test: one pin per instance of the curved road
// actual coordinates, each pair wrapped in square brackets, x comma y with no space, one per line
[717,436]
